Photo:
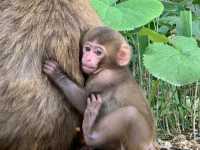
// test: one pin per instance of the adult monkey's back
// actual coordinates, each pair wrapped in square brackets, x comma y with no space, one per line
[33,115]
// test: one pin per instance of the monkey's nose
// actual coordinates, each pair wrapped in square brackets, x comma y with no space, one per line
[88,59]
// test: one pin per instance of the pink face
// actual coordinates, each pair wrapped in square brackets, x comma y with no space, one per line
[92,55]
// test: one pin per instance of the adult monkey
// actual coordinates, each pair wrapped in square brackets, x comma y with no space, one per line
[33,115]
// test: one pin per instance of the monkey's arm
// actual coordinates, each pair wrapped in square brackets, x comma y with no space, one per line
[75,94]
[125,121]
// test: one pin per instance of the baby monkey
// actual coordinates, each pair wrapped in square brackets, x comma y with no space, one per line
[116,116]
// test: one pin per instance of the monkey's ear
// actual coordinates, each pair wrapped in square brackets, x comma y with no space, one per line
[124,55]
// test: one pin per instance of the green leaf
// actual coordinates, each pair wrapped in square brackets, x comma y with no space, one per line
[152,35]
[177,64]
[171,20]
[196,28]
[196,1]
[172,8]
[128,14]
[143,43]
[184,25]
[180,44]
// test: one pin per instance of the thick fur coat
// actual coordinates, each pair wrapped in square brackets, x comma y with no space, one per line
[33,114]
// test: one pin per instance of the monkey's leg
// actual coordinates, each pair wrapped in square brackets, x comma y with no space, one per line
[124,122]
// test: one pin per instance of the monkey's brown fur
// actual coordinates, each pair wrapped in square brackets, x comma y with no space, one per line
[33,115]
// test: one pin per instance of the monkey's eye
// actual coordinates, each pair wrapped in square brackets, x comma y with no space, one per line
[98,52]
[87,48]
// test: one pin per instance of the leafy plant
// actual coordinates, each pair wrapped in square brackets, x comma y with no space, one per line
[153,36]
[177,63]
[184,24]
[129,14]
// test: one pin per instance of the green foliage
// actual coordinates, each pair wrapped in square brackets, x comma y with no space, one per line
[177,64]
[177,109]
[196,2]
[184,26]
[128,14]
[152,35]
[196,29]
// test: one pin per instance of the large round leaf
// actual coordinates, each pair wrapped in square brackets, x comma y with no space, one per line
[178,64]
[196,28]
[128,14]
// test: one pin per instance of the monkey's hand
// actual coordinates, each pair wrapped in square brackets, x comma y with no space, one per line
[76,95]
[53,70]
[93,107]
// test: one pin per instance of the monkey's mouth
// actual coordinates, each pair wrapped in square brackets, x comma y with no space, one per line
[88,69]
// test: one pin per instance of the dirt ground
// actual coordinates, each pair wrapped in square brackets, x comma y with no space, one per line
[179,142]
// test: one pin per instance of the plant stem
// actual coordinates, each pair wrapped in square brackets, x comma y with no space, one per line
[194,110]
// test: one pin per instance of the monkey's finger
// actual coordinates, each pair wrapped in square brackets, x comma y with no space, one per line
[98,102]
[95,102]
[94,99]
[88,101]
[99,99]
[86,112]
[47,67]
[47,71]
[51,63]
[46,62]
